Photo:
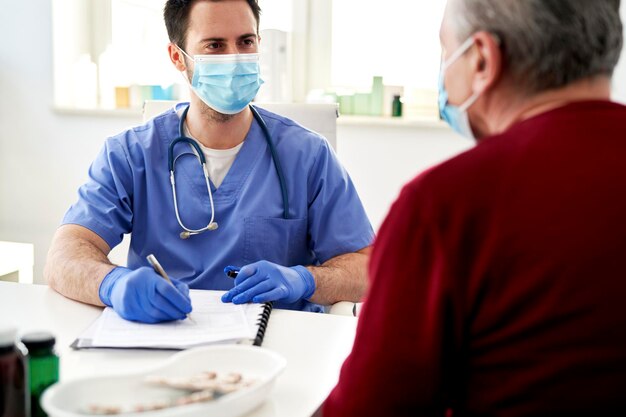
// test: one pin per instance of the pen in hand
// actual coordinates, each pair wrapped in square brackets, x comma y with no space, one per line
[152,260]
[231,271]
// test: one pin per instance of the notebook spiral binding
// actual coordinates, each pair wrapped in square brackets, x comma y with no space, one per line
[263,320]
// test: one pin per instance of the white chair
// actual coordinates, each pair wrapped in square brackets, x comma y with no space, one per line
[16,262]
[345,308]
[321,118]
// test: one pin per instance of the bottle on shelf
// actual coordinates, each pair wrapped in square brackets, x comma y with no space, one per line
[396,106]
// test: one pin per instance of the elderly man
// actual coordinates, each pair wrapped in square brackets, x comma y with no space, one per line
[498,278]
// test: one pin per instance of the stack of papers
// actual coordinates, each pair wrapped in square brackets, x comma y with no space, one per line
[211,321]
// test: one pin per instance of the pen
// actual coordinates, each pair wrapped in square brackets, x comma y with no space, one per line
[159,270]
[231,272]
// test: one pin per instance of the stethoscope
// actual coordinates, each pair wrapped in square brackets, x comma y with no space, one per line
[212,225]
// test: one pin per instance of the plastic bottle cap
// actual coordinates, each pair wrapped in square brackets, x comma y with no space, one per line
[7,336]
[38,340]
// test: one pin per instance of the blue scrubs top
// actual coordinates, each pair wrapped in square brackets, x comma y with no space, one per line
[129,191]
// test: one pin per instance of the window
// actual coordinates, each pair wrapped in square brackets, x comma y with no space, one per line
[399,41]
[138,38]
[395,39]
[112,53]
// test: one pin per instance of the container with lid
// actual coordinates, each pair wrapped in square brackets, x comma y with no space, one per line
[14,394]
[396,106]
[43,365]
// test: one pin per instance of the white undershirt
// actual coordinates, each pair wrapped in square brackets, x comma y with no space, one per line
[218,161]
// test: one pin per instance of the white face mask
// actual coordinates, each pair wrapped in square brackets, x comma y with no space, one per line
[456,116]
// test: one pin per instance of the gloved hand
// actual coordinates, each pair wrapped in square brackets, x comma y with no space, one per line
[264,281]
[143,295]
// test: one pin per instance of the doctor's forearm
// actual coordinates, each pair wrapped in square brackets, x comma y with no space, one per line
[77,263]
[342,278]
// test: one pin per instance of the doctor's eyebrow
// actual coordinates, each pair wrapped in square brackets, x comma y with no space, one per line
[242,37]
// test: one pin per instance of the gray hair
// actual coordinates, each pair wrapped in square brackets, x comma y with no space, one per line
[548,44]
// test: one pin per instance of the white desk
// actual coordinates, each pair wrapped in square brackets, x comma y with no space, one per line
[315,346]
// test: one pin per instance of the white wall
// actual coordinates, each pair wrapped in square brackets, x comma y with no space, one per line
[44,156]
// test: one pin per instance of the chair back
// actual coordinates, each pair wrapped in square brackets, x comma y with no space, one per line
[319,117]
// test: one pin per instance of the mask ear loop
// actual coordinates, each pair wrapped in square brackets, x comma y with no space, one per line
[184,53]
[184,72]
[458,53]
[451,60]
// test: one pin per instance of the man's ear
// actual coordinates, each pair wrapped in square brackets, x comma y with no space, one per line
[487,60]
[177,57]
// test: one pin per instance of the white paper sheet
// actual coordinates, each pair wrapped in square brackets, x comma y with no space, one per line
[211,321]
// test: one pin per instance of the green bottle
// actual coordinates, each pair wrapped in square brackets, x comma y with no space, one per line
[43,367]
[396,106]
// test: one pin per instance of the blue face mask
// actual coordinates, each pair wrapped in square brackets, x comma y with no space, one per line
[456,116]
[226,83]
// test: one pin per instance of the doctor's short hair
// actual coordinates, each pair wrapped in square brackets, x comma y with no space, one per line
[176,16]
[547,44]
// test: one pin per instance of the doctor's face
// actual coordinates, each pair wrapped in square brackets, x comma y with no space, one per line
[223,27]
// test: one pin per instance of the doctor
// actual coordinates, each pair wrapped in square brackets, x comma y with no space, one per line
[275,203]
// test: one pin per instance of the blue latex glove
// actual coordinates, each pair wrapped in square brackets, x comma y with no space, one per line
[143,295]
[264,281]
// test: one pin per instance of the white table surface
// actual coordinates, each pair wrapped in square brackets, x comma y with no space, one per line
[314,345]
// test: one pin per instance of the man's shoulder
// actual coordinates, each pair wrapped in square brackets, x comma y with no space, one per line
[466,167]
[504,158]
[466,180]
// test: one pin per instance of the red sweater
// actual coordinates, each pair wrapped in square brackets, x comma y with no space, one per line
[498,280]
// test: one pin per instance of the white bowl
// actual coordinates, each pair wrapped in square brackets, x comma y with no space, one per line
[73,398]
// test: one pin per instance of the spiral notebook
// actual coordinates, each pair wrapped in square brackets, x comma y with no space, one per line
[210,322]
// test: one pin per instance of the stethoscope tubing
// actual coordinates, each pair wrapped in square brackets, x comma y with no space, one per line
[171,161]
[277,164]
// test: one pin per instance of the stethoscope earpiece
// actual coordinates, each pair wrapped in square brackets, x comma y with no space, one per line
[186,234]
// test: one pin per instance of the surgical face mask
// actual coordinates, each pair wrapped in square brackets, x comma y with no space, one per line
[456,116]
[226,83]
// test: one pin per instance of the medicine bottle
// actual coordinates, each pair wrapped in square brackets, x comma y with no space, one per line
[43,367]
[14,395]
[396,107]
